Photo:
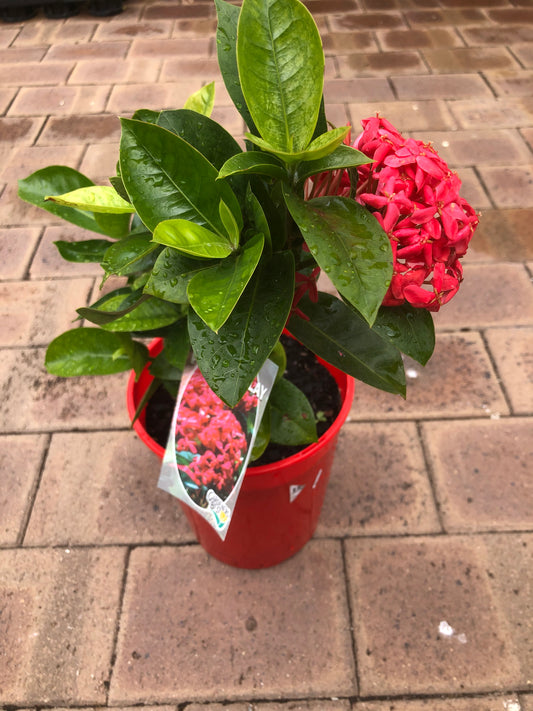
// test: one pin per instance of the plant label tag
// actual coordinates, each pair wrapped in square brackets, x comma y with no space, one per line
[210,444]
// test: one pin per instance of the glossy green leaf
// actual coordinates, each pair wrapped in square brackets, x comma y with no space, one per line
[129,255]
[409,329]
[317,149]
[89,250]
[340,336]
[97,198]
[256,216]
[253,162]
[279,357]
[292,420]
[203,100]
[146,115]
[214,292]
[116,226]
[116,182]
[228,18]
[167,178]
[112,306]
[177,344]
[349,245]
[163,369]
[230,225]
[171,275]
[150,314]
[281,69]
[123,310]
[231,358]
[204,134]
[262,437]
[342,157]
[192,239]
[55,180]
[88,351]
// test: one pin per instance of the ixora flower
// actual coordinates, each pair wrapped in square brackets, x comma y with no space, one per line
[415,197]
[220,243]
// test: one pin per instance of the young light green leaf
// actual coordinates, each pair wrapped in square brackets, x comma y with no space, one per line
[214,292]
[349,245]
[319,148]
[89,250]
[190,238]
[292,420]
[88,351]
[281,69]
[253,162]
[56,180]
[97,198]
[230,224]
[203,100]
[147,316]
[339,335]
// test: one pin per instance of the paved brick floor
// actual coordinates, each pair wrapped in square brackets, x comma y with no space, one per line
[105,599]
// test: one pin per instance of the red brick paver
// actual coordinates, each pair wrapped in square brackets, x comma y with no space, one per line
[416,594]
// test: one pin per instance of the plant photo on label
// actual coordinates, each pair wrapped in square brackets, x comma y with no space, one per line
[220,242]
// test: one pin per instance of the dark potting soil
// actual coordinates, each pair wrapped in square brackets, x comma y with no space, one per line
[303,370]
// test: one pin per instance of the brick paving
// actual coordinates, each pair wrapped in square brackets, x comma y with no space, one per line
[416,592]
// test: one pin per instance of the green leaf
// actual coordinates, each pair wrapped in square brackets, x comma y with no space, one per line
[214,292]
[204,134]
[256,215]
[129,255]
[253,162]
[171,275]
[116,226]
[112,306]
[97,198]
[89,250]
[88,351]
[148,315]
[231,358]
[230,225]
[163,369]
[319,148]
[203,100]
[342,157]
[339,335]
[123,311]
[279,357]
[190,238]
[146,115]
[262,437]
[166,178]
[281,69]
[58,179]
[349,245]
[177,344]
[228,18]
[409,329]
[292,420]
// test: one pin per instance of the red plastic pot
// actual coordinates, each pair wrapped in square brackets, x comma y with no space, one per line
[278,505]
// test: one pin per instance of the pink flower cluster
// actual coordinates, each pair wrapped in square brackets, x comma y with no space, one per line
[207,428]
[415,197]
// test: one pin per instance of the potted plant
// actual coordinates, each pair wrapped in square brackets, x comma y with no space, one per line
[220,248]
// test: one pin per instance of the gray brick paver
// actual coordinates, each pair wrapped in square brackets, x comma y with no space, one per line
[266,636]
